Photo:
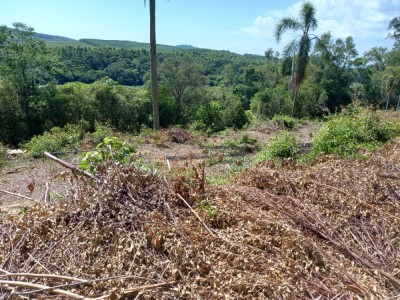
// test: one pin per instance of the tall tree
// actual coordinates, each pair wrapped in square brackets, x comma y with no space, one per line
[301,48]
[394,25]
[153,62]
[23,58]
[391,79]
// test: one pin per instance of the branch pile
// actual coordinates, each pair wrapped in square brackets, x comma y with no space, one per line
[330,230]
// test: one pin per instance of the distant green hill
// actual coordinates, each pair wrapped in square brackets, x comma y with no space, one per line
[126,44]
[53,38]
[54,41]
[186,47]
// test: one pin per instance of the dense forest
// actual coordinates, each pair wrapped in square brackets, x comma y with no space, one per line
[49,81]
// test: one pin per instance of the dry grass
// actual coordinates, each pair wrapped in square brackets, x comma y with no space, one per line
[330,231]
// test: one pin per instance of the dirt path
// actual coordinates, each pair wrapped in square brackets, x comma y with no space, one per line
[220,153]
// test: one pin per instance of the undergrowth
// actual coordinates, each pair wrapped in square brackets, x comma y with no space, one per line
[353,131]
[56,140]
[282,146]
[286,121]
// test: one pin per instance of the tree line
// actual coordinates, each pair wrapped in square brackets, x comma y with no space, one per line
[42,87]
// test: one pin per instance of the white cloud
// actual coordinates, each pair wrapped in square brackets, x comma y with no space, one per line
[365,20]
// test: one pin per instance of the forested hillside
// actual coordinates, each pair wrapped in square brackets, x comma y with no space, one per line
[108,81]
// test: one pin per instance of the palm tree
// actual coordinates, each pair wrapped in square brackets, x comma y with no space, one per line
[301,48]
[153,63]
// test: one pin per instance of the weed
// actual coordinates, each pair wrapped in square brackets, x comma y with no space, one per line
[110,148]
[55,140]
[354,129]
[286,121]
[246,139]
[283,146]
[102,131]
[24,210]
[207,207]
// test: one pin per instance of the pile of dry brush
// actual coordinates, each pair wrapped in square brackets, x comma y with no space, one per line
[329,231]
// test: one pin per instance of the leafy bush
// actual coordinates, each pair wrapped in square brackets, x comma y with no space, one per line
[102,131]
[55,140]
[272,101]
[210,118]
[235,116]
[283,146]
[246,139]
[284,120]
[110,148]
[351,130]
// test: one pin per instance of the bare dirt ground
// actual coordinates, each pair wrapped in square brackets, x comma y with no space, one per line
[217,152]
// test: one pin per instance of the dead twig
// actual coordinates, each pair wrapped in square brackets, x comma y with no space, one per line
[19,195]
[17,170]
[196,215]
[81,282]
[54,276]
[133,290]
[389,176]
[40,286]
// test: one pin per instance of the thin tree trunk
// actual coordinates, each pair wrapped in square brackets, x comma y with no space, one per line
[296,91]
[387,102]
[292,76]
[153,61]
[398,102]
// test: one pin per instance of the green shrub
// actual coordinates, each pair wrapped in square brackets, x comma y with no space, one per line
[286,121]
[353,129]
[209,118]
[3,153]
[235,116]
[101,132]
[246,139]
[110,148]
[55,140]
[283,146]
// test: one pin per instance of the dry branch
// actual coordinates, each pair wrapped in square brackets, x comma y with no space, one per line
[19,195]
[70,166]
[81,282]
[196,215]
[41,286]
[41,276]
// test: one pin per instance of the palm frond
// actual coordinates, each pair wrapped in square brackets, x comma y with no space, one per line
[307,17]
[286,24]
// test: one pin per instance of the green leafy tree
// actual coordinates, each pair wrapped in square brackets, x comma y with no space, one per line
[299,49]
[12,129]
[180,75]
[391,80]
[24,60]
[272,101]
[394,25]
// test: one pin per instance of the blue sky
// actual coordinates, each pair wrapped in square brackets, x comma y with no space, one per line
[241,26]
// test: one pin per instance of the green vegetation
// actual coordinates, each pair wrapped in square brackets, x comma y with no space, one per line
[283,146]
[110,148]
[353,130]
[3,153]
[55,140]
[100,82]
[285,121]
